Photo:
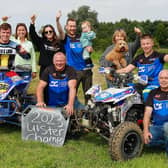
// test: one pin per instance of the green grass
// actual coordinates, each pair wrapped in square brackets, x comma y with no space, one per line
[89,151]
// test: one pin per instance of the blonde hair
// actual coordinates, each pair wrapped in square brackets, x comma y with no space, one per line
[87,23]
[119,31]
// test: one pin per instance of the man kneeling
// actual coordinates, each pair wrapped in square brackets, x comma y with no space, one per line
[60,80]
[156,133]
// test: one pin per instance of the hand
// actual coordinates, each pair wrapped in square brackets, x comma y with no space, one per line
[89,49]
[147,137]
[119,71]
[5,18]
[34,74]
[22,50]
[41,104]
[33,18]
[69,109]
[58,15]
[137,30]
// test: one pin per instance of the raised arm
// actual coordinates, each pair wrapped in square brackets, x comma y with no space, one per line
[59,27]
[133,46]
[5,19]
[33,34]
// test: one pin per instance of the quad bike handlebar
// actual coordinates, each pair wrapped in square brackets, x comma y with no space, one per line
[124,79]
[120,80]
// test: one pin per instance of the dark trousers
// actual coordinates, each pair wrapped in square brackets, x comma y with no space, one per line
[85,78]
[42,68]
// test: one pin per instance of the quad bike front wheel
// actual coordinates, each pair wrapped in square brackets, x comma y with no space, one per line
[126,141]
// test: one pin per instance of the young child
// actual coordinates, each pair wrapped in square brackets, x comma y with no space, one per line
[86,39]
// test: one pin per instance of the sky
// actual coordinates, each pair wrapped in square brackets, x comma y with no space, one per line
[108,10]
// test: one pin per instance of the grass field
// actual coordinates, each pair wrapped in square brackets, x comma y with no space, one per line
[89,151]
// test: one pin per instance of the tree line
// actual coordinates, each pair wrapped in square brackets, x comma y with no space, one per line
[104,30]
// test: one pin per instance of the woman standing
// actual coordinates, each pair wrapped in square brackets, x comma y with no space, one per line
[21,37]
[48,44]
[120,34]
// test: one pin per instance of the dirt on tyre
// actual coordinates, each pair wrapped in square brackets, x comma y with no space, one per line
[126,141]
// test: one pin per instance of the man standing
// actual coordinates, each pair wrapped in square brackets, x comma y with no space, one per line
[156,132]
[61,82]
[74,54]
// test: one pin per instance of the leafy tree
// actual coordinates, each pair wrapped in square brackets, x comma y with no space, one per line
[159,33]
[84,13]
[104,30]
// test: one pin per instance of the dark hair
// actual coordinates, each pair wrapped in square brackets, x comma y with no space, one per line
[70,19]
[5,26]
[17,26]
[55,37]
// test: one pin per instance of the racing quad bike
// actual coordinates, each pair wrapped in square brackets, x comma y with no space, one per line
[116,114]
[13,94]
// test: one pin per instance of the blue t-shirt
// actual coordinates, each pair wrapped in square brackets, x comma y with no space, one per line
[74,53]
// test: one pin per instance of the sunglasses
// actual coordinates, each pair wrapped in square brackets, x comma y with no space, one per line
[48,32]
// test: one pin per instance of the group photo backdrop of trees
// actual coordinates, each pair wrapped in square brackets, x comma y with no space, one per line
[104,30]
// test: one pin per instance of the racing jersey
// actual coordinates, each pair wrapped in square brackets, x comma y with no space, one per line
[8,52]
[158,100]
[58,90]
[74,53]
[150,66]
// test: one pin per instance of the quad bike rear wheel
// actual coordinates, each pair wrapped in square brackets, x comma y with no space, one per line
[126,141]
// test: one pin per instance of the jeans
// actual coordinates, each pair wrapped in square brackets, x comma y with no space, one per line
[159,136]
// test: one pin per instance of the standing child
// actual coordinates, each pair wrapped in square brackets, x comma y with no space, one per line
[86,39]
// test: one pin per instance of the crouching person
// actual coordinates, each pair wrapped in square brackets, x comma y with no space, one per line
[156,132]
[60,79]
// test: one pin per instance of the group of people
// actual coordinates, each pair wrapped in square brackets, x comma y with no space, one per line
[65,62]
[155,93]
[63,79]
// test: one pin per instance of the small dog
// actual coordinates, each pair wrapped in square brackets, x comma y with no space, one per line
[116,56]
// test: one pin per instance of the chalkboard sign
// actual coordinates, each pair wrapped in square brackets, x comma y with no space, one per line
[46,125]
